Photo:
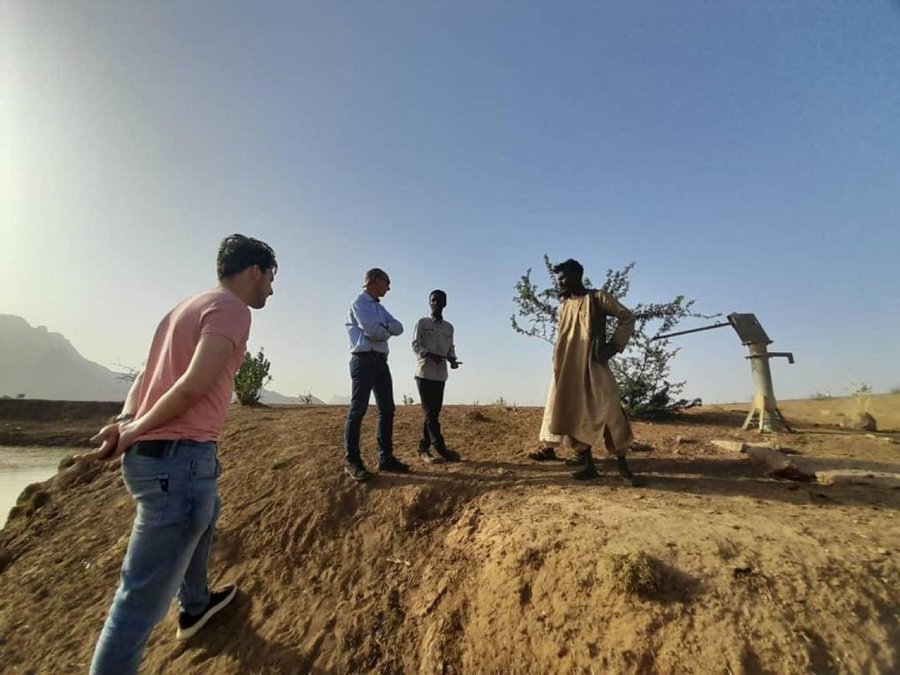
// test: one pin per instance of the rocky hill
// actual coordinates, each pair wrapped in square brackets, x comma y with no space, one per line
[44,365]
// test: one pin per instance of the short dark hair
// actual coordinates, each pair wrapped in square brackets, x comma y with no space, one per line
[571,266]
[438,291]
[237,253]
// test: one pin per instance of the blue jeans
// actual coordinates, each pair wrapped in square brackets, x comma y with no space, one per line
[369,372]
[177,508]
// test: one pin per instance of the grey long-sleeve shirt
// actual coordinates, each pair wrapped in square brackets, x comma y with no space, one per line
[435,337]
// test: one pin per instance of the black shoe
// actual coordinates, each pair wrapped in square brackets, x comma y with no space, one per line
[392,465]
[589,472]
[543,454]
[448,455]
[189,624]
[625,472]
[581,458]
[357,471]
[428,458]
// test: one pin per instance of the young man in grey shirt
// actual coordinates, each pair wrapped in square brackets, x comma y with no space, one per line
[433,345]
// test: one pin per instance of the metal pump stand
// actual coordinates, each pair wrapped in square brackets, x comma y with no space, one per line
[752,335]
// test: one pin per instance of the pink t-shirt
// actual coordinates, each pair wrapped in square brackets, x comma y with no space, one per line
[215,312]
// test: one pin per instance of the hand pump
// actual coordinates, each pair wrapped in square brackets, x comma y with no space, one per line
[751,334]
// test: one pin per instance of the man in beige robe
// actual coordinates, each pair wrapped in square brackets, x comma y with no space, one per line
[584,408]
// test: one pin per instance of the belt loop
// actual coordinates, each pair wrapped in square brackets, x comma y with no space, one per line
[172,450]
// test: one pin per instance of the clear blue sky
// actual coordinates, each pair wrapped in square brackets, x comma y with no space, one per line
[746,154]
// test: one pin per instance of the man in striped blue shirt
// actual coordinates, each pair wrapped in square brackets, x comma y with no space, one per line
[369,327]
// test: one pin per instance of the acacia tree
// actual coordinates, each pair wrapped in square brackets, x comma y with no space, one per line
[127,373]
[251,377]
[642,370]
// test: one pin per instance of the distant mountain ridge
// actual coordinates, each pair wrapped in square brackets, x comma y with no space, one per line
[44,365]
[270,397]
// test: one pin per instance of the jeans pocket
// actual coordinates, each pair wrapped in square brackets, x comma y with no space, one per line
[205,468]
[151,492]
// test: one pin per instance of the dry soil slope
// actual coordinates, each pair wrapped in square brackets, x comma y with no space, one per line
[493,565]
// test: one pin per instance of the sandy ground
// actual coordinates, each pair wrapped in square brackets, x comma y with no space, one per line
[494,565]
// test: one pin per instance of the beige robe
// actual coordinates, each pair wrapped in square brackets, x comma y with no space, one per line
[584,403]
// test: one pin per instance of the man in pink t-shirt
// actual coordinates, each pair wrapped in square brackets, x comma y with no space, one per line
[167,432]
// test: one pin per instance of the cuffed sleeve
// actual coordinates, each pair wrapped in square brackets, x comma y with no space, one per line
[393,326]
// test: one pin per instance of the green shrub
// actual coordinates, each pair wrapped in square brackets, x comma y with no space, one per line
[251,377]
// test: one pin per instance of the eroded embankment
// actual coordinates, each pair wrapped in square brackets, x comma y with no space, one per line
[496,564]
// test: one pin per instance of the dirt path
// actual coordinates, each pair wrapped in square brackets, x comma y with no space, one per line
[497,564]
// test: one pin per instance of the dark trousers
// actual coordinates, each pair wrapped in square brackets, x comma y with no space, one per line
[431,393]
[369,372]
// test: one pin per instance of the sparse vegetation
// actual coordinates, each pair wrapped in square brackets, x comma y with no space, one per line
[251,377]
[862,392]
[635,573]
[408,400]
[127,373]
[306,399]
[642,370]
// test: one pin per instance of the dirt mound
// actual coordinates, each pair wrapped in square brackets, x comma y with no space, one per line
[860,421]
[495,564]
[560,582]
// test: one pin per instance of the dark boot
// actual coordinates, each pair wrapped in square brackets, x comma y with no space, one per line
[543,454]
[625,472]
[577,460]
[588,470]
[392,465]
[447,454]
